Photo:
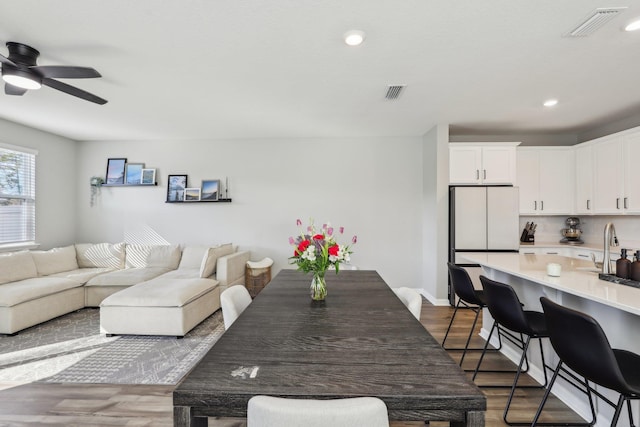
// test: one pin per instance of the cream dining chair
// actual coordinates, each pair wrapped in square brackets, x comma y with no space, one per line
[411,299]
[268,411]
[234,301]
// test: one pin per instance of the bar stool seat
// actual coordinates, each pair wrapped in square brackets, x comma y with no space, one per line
[582,345]
[470,298]
[509,315]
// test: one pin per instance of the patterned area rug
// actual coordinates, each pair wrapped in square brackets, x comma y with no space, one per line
[70,348]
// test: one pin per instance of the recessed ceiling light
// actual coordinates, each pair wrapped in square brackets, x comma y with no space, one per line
[550,102]
[354,37]
[633,26]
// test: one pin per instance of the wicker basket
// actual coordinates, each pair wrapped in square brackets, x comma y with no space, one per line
[255,279]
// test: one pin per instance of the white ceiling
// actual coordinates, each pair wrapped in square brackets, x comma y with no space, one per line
[203,69]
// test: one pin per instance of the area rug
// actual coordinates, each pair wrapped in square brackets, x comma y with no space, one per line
[70,349]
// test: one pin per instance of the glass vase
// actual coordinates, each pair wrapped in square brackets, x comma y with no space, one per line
[318,288]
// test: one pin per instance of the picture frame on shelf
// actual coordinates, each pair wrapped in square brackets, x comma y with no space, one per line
[176,184]
[192,194]
[115,171]
[133,173]
[210,189]
[148,177]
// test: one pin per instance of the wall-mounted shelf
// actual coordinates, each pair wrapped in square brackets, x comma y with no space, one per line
[129,185]
[201,201]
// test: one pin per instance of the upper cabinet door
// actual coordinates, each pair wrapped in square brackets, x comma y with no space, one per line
[608,176]
[498,165]
[557,178]
[631,199]
[465,163]
[528,174]
[584,180]
[482,163]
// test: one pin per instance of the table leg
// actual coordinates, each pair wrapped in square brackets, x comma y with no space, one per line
[183,417]
[474,419]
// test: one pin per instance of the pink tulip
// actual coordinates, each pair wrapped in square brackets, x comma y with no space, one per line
[354,240]
[298,222]
[291,241]
[341,230]
[330,231]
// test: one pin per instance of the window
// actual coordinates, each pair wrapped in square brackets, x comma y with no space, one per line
[17,194]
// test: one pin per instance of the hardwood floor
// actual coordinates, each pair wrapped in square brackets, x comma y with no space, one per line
[38,404]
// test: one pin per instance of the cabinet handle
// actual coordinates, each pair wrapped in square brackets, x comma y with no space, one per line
[477,174]
[583,256]
[484,174]
[541,205]
[535,205]
[588,205]
[618,203]
[625,203]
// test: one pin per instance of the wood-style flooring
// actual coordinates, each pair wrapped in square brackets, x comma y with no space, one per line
[40,404]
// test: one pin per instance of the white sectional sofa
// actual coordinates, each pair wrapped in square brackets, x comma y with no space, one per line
[36,286]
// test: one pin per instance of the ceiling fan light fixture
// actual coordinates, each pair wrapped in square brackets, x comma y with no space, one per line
[354,37]
[550,102]
[21,79]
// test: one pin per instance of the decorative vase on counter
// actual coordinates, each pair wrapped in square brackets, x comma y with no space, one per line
[318,288]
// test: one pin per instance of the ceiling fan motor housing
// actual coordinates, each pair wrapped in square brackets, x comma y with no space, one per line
[22,54]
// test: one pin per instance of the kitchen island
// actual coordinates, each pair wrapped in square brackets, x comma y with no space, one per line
[616,307]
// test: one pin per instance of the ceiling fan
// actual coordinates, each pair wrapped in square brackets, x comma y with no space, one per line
[21,73]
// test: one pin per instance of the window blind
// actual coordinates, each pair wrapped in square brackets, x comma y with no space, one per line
[17,196]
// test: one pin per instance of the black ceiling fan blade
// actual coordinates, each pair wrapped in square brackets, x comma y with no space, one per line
[6,60]
[64,72]
[72,90]
[13,90]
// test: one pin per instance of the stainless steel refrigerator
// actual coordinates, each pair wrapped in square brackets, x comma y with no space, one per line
[482,219]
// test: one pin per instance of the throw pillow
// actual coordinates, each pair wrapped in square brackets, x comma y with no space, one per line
[100,255]
[210,259]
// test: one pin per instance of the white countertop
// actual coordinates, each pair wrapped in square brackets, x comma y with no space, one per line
[578,277]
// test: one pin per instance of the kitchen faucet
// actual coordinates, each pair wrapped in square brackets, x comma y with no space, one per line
[610,239]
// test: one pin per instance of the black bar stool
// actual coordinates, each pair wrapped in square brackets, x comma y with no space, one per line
[509,316]
[470,298]
[581,344]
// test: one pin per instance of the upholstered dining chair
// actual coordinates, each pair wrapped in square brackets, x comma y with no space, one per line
[268,411]
[581,344]
[411,299]
[234,301]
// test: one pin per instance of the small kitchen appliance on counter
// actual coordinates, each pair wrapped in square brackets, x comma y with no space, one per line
[571,235]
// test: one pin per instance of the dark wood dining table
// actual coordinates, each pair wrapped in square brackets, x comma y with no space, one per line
[360,341]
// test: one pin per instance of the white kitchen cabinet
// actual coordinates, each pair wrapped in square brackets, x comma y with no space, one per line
[608,175]
[482,163]
[546,179]
[584,179]
[631,153]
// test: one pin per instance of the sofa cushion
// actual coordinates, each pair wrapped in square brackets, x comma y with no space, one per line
[55,260]
[82,275]
[161,292]
[15,293]
[126,277]
[17,266]
[141,256]
[210,260]
[100,255]
[182,273]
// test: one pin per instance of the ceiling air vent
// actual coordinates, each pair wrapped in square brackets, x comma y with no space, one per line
[594,21]
[394,91]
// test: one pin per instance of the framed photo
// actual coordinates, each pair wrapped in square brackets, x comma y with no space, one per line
[210,189]
[115,171]
[175,188]
[148,177]
[133,173]
[192,194]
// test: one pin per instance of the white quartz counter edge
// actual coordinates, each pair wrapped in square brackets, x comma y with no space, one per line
[576,278]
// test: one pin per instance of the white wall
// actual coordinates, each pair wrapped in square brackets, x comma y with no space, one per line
[435,176]
[372,187]
[55,182]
